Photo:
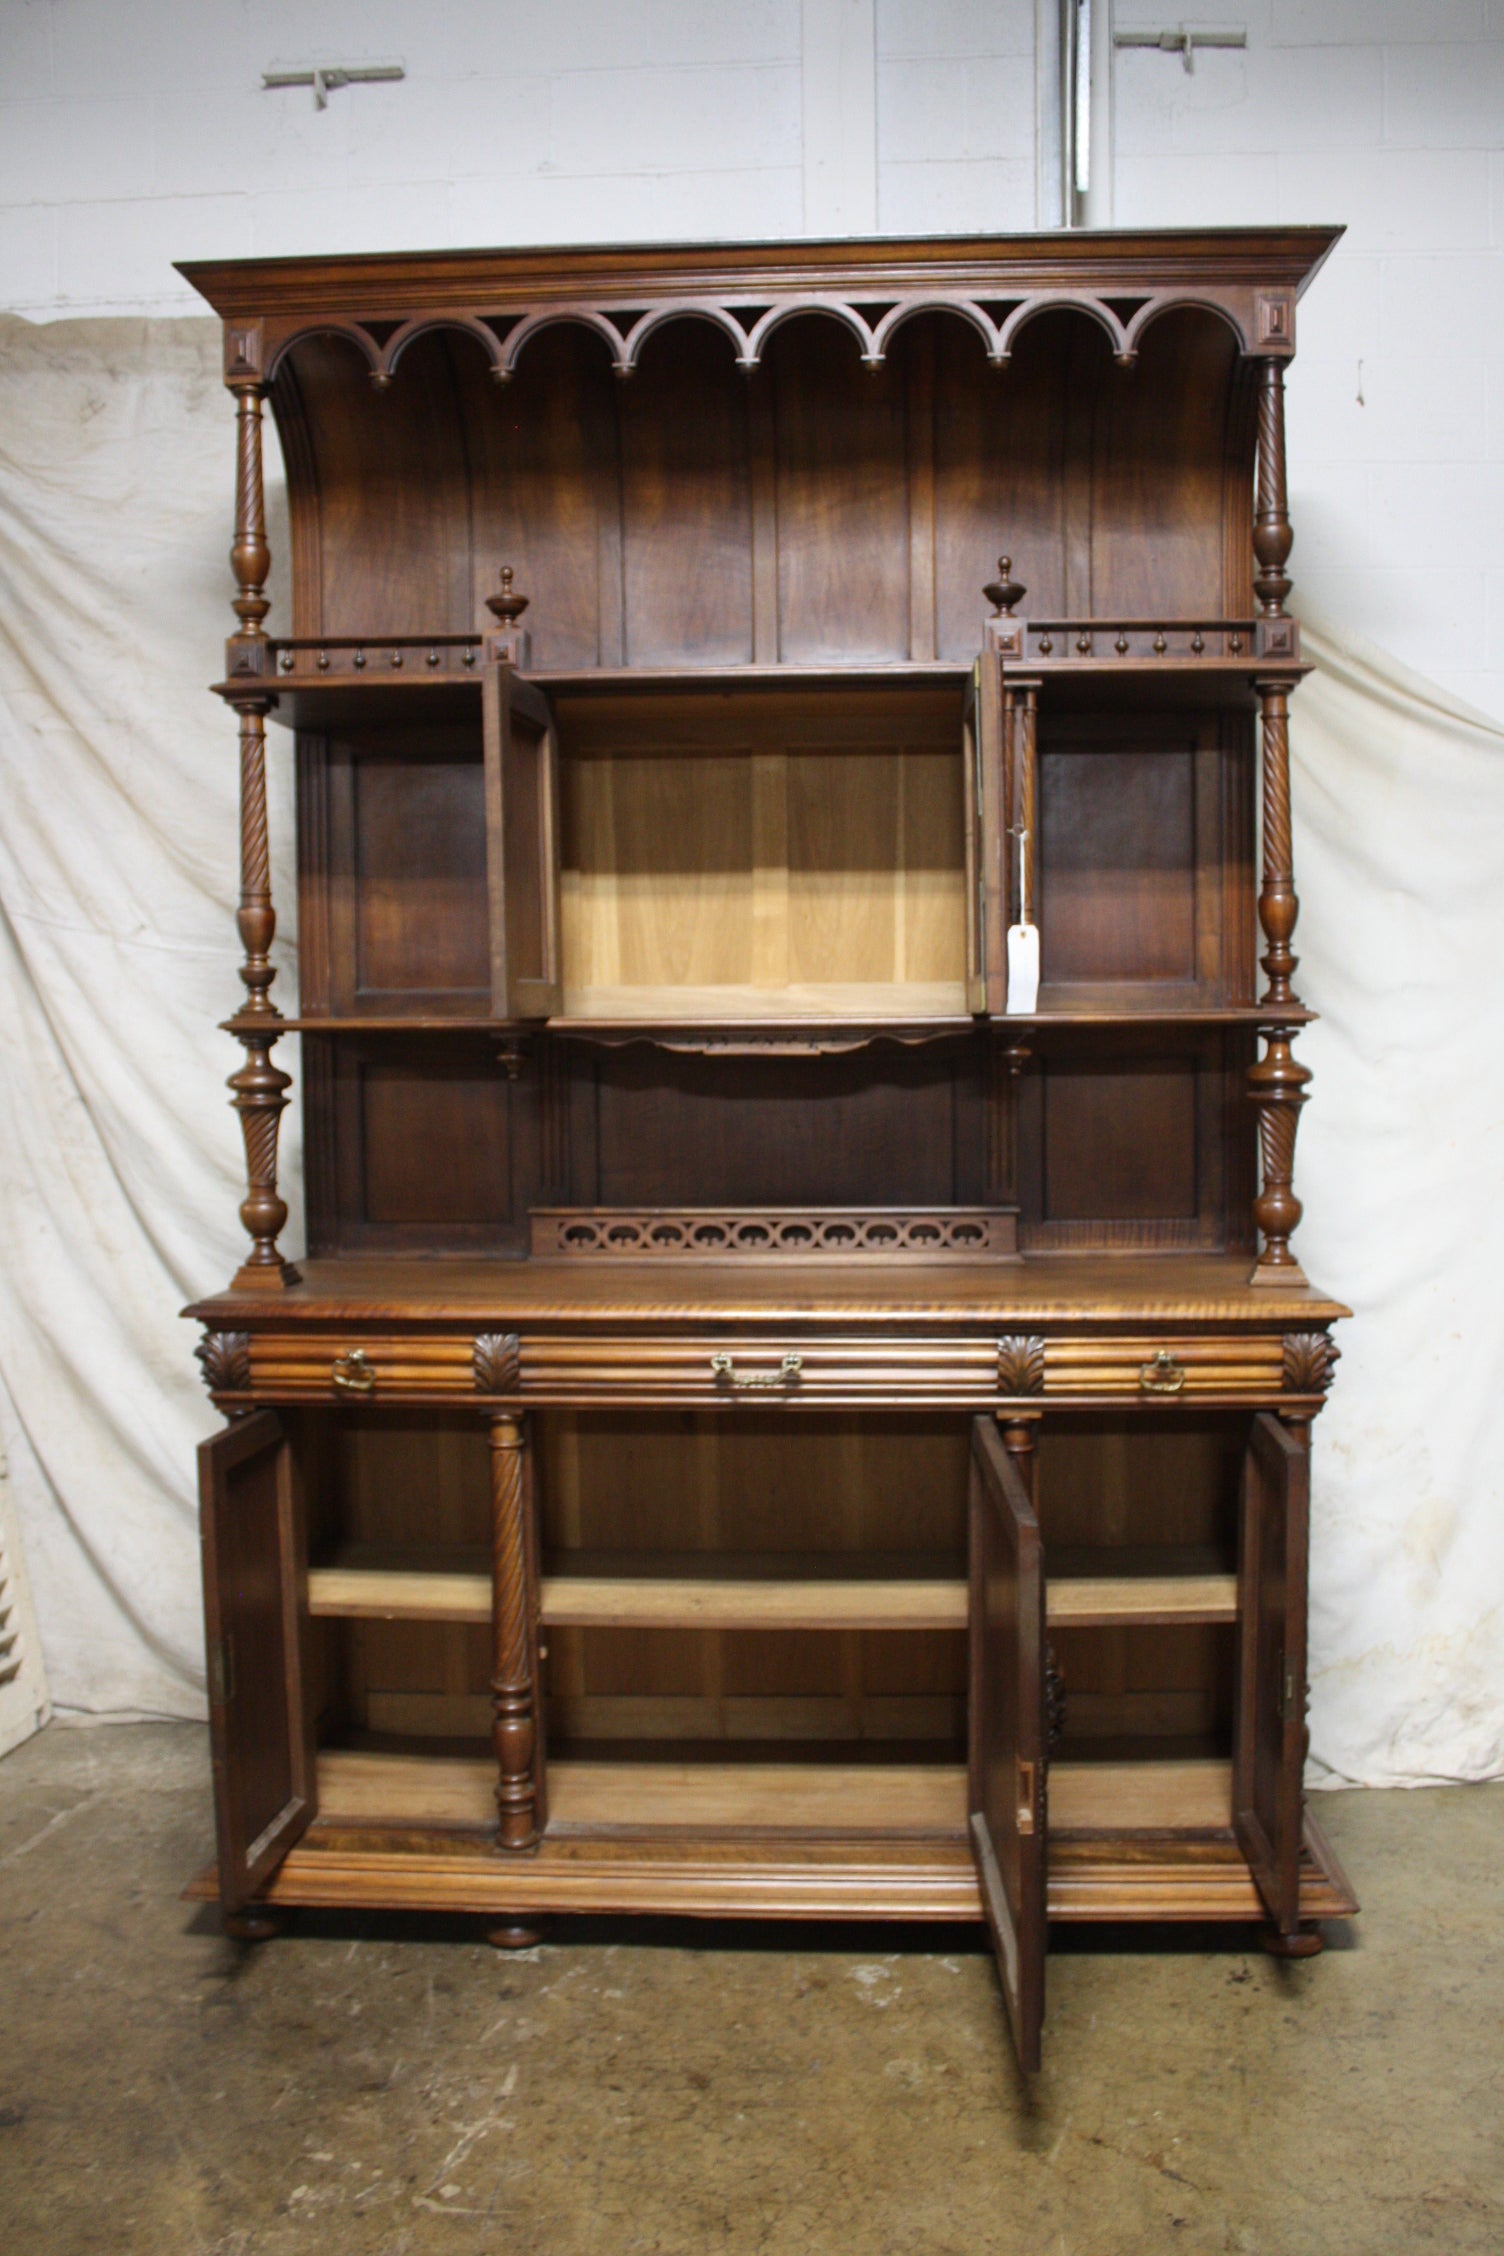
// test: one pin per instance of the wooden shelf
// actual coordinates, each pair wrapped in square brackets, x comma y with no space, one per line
[847,1001]
[1092,1877]
[359,1788]
[830,1026]
[817,1597]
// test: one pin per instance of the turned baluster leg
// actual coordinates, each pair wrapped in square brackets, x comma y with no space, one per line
[259,1089]
[1277,1083]
[514,1730]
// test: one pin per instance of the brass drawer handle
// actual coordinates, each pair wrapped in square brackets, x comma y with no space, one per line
[1163,1376]
[787,1373]
[353,1373]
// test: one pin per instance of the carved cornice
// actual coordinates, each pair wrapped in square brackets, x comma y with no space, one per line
[498,1363]
[1309,1359]
[1020,1366]
[1274,262]
[225,1360]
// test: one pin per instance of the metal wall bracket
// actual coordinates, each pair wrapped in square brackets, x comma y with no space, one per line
[324,77]
[1182,42]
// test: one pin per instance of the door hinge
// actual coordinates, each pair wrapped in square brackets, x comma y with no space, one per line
[222,1671]
[1026,1780]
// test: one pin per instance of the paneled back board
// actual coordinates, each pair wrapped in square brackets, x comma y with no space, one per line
[773,1420]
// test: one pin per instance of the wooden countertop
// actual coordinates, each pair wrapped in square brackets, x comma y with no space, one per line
[1086,1290]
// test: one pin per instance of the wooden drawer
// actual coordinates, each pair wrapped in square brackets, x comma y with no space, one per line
[770,1369]
[304,1368]
[1160,1369]
[774,1367]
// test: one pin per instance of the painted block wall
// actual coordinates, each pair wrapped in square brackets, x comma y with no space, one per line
[133,132]
[1388,115]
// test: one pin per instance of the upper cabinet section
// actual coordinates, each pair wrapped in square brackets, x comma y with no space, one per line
[797,455]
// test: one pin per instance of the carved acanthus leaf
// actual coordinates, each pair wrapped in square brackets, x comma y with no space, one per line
[498,1362]
[225,1359]
[1020,1366]
[1309,1358]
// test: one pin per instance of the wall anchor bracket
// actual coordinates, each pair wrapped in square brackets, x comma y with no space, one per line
[324,77]
[1182,42]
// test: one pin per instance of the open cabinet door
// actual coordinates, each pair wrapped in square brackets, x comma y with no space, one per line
[1007,1796]
[1271,1738]
[260,1733]
[522,846]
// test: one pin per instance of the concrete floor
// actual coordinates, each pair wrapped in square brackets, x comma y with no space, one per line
[370,2087]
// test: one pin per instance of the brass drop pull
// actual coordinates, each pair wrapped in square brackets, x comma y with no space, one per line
[787,1373]
[1163,1376]
[353,1373]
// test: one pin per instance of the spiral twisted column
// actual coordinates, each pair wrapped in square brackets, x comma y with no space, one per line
[1273,536]
[514,1729]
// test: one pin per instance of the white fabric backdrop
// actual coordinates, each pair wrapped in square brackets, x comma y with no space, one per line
[120,1162]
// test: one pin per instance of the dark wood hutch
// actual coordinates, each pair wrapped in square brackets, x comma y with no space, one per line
[762,1427]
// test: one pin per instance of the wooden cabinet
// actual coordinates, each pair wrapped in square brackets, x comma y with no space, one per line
[773,1419]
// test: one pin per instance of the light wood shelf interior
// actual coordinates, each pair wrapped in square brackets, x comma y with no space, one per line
[816,1596]
[763,857]
[359,1788]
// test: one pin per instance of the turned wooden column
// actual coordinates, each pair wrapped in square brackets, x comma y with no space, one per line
[259,1089]
[514,1729]
[1272,533]
[1018,1440]
[1277,1083]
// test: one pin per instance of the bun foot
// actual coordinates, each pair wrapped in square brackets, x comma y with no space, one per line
[1305,1942]
[516,1934]
[254,1924]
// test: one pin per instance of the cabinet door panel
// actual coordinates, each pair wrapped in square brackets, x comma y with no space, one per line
[1271,1737]
[522,847]
[260,1733]
[1007,1798]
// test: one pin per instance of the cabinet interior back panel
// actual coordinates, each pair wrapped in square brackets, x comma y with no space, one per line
[877,1127]
[686,504]
[813,511]
[420,876]
[770,870]
[1120,1141]
[762,1482]
[1117,865]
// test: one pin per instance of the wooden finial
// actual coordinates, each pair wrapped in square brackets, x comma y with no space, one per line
[1003,592]
[507,607]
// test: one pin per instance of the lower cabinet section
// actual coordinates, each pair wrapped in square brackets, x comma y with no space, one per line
[768,1663]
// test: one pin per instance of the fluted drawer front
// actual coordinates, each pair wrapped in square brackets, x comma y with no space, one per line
[766,1370]
[362,1369]
[1143,1369]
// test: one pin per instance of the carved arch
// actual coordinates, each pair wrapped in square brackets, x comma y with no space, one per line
[352,331]
[691,309]
[467,324]
[1183,302]
[1066,301]
[966,309]
[546,317]
[838,310]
